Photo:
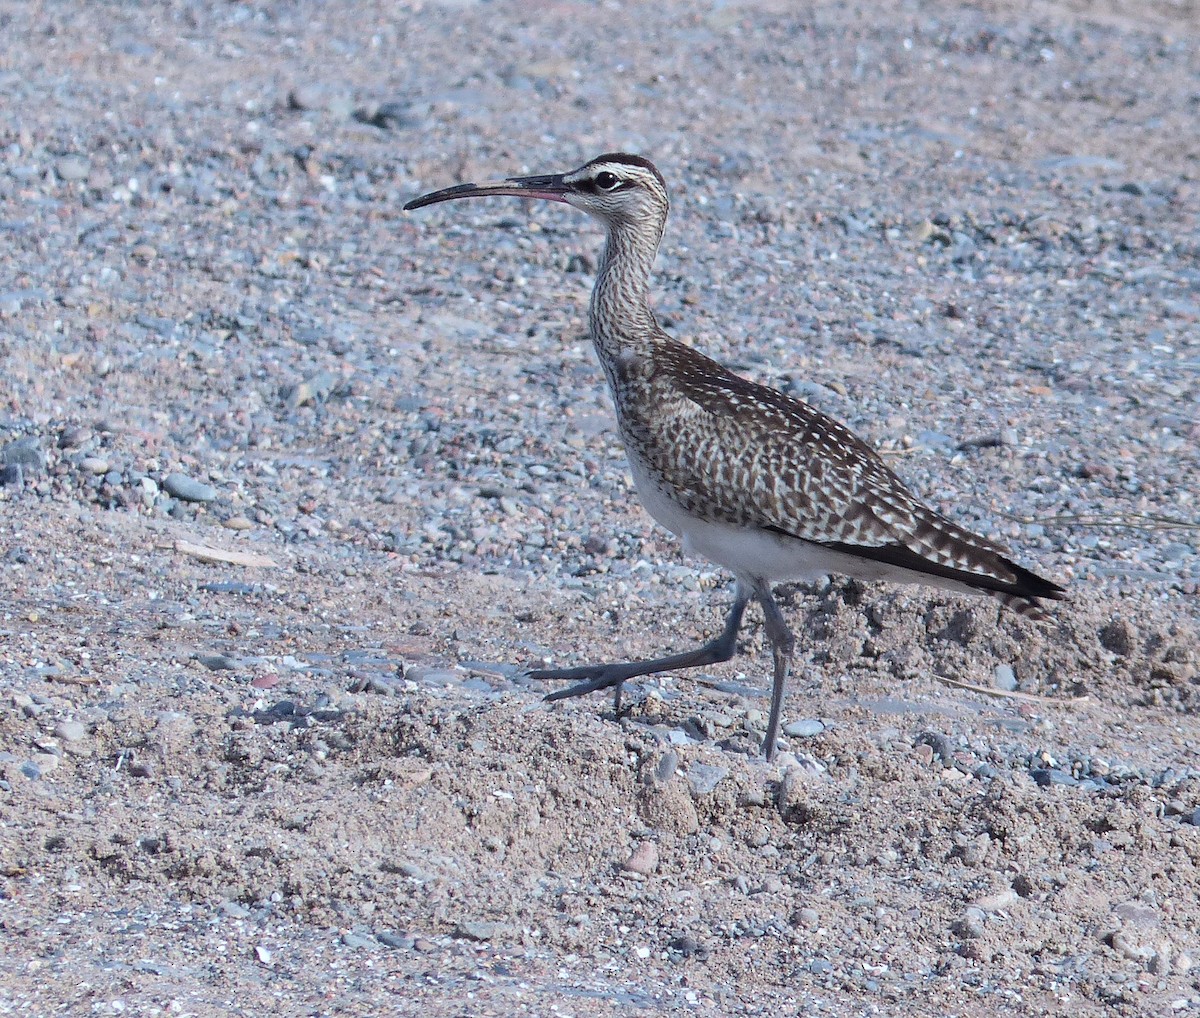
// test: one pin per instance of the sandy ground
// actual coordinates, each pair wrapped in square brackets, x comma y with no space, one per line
[295,485]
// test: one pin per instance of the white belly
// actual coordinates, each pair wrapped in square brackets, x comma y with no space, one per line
[752,553]
[747,552]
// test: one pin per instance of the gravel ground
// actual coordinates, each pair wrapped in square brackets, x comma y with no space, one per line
[295,484]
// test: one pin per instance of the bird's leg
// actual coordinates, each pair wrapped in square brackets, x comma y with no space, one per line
[782,644]
[589,678]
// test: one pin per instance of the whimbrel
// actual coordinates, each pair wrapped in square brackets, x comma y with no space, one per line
[746,476]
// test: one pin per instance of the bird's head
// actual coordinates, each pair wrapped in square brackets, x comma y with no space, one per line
[617,188]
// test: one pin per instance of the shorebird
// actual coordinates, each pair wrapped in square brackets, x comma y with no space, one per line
[746,476]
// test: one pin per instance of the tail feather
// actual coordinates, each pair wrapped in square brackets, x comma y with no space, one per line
[990,573]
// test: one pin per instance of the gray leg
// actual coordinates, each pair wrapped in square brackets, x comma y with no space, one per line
[782,645]
[602,676]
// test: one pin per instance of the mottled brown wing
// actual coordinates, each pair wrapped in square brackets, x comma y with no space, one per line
[799,472]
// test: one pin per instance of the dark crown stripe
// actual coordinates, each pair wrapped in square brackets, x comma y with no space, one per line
[627,159]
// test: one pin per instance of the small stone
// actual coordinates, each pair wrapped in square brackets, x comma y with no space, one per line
[807,917]
[970,926]
[476,930]
[793,796]
[73,437]
[263,954]
[1005,678]
[70,731]
[643,859]
[238,523]
[689,947]
[218,662]
[186,489]
[804,728]
[999,901]
[1090,470]
[1118,637]
[308,97]
[942,747]
[25,453]
[703,778]
[1132,945]
[313,389]
[665,769]
[94,465]
[72,168]
[1046,776]
[440,677]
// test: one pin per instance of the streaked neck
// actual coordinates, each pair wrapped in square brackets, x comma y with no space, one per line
[619,314]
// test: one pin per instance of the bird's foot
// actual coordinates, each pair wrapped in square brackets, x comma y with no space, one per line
[587,679]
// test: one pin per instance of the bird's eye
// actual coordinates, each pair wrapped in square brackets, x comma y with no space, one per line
[606,181]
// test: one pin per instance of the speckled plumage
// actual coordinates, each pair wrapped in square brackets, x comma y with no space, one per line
[747,476]
[730,451]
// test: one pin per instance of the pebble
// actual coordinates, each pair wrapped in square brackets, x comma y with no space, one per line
[218,662]
[73,437]
[970,924]
[93,465]
[1046,776]
[808,917]
[665,768]
[1005,678]
[437,677]
[1118,637]
[187,489]
[643,859]
[313,389]
[25,453]
[689,947]
[704,778]
[793,795]
[479,930]
[999,901]
[72,168]
[70,731]
[804,728]
[939,745]
[396,941]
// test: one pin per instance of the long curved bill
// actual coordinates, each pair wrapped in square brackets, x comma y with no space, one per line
[549,187]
